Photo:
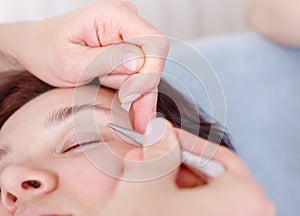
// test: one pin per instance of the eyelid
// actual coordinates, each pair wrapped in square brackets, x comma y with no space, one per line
[82,138]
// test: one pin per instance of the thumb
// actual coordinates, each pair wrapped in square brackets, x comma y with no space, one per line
[158,164]
[122,58]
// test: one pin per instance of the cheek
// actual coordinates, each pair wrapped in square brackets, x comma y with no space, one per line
[3,212]
[86,184]
[109,157]
[121,147]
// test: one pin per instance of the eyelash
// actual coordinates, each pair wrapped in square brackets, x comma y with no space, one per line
[78,145]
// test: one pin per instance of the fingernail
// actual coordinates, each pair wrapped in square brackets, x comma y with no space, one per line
[129,61]
[148,128]
[155,131]
[131,98]
[126,106]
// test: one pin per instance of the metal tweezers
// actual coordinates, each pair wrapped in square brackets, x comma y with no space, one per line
[211,168]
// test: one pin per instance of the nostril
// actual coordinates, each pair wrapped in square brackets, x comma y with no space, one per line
[8,201]
[11,199]
[31,184]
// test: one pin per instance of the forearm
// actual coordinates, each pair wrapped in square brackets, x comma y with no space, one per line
[13,39]
[276,19]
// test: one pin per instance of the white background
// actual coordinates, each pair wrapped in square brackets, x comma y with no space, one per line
[182,19]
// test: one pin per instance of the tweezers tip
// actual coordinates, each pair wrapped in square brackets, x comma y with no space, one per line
[111,125]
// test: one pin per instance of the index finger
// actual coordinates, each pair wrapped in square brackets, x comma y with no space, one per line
[155,47]
[199,146]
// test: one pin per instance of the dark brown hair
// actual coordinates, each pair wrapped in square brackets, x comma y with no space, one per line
[19,88]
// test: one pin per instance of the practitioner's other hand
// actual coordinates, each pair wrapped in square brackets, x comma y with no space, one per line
[150,185]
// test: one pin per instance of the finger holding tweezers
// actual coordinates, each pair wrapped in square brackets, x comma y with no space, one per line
[205,165]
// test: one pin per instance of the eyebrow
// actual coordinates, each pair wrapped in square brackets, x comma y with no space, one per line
[64,113]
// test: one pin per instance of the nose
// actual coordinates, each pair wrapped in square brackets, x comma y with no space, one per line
[19,183]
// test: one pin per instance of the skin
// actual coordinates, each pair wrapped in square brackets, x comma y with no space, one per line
[278,20]
[72,184]
[65,192]
[105,39]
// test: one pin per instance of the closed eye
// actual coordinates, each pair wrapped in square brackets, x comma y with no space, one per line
[79,146]
[77,141]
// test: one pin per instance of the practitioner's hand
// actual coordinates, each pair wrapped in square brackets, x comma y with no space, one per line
[235,193]
[58,51]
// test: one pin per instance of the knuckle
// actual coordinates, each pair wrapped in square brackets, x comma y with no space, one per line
[131,6]
[165,41]
[165,44]
[266,208]
[269,208]
[161,45]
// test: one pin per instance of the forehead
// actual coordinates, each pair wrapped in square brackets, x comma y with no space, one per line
[32,113]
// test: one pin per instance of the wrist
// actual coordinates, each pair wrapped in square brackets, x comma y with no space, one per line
[8,63]
[12,43]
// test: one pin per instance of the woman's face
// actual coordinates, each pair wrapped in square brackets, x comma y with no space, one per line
[44,171]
